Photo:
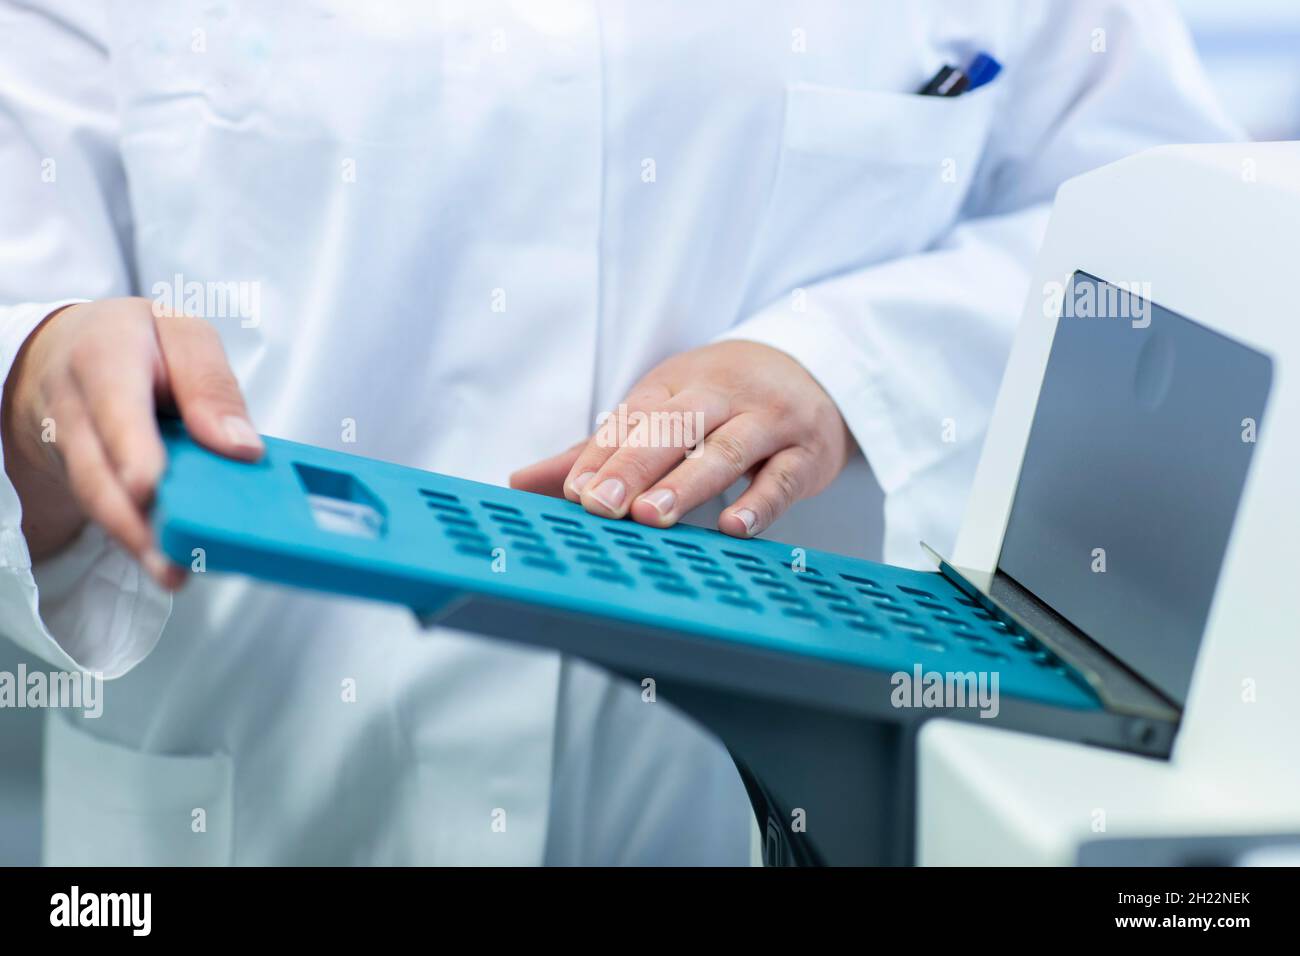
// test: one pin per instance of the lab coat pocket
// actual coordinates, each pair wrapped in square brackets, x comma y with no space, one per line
[186,63]
[863,176]
[106,804]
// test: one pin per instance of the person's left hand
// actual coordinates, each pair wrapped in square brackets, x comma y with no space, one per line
[758,412]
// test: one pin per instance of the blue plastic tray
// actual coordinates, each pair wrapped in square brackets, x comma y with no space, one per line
[324,520]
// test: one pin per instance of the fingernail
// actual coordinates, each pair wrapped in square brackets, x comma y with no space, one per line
[136,484]
[159,568]
[747,518]
[610,493]
[582,481]
[240,433]
[662,500]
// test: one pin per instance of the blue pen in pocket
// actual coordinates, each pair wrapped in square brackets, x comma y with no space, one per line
[952,81]
[982,70]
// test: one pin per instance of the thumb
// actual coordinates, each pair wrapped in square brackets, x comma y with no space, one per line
[546,477]
[204,389]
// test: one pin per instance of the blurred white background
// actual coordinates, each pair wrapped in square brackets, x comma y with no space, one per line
[1251,49]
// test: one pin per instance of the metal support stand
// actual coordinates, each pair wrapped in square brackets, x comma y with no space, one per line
[827,789]
[829,763]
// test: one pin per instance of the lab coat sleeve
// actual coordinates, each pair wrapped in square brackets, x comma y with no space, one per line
[64,232]
[912,349]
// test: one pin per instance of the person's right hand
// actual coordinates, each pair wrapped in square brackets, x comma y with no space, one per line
[78,429]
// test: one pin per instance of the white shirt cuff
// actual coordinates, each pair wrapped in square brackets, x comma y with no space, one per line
[845,370]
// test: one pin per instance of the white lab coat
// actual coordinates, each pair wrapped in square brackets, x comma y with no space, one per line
[472,225]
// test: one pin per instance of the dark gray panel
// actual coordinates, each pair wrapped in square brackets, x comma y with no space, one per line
[1192,850]
[1136,448]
